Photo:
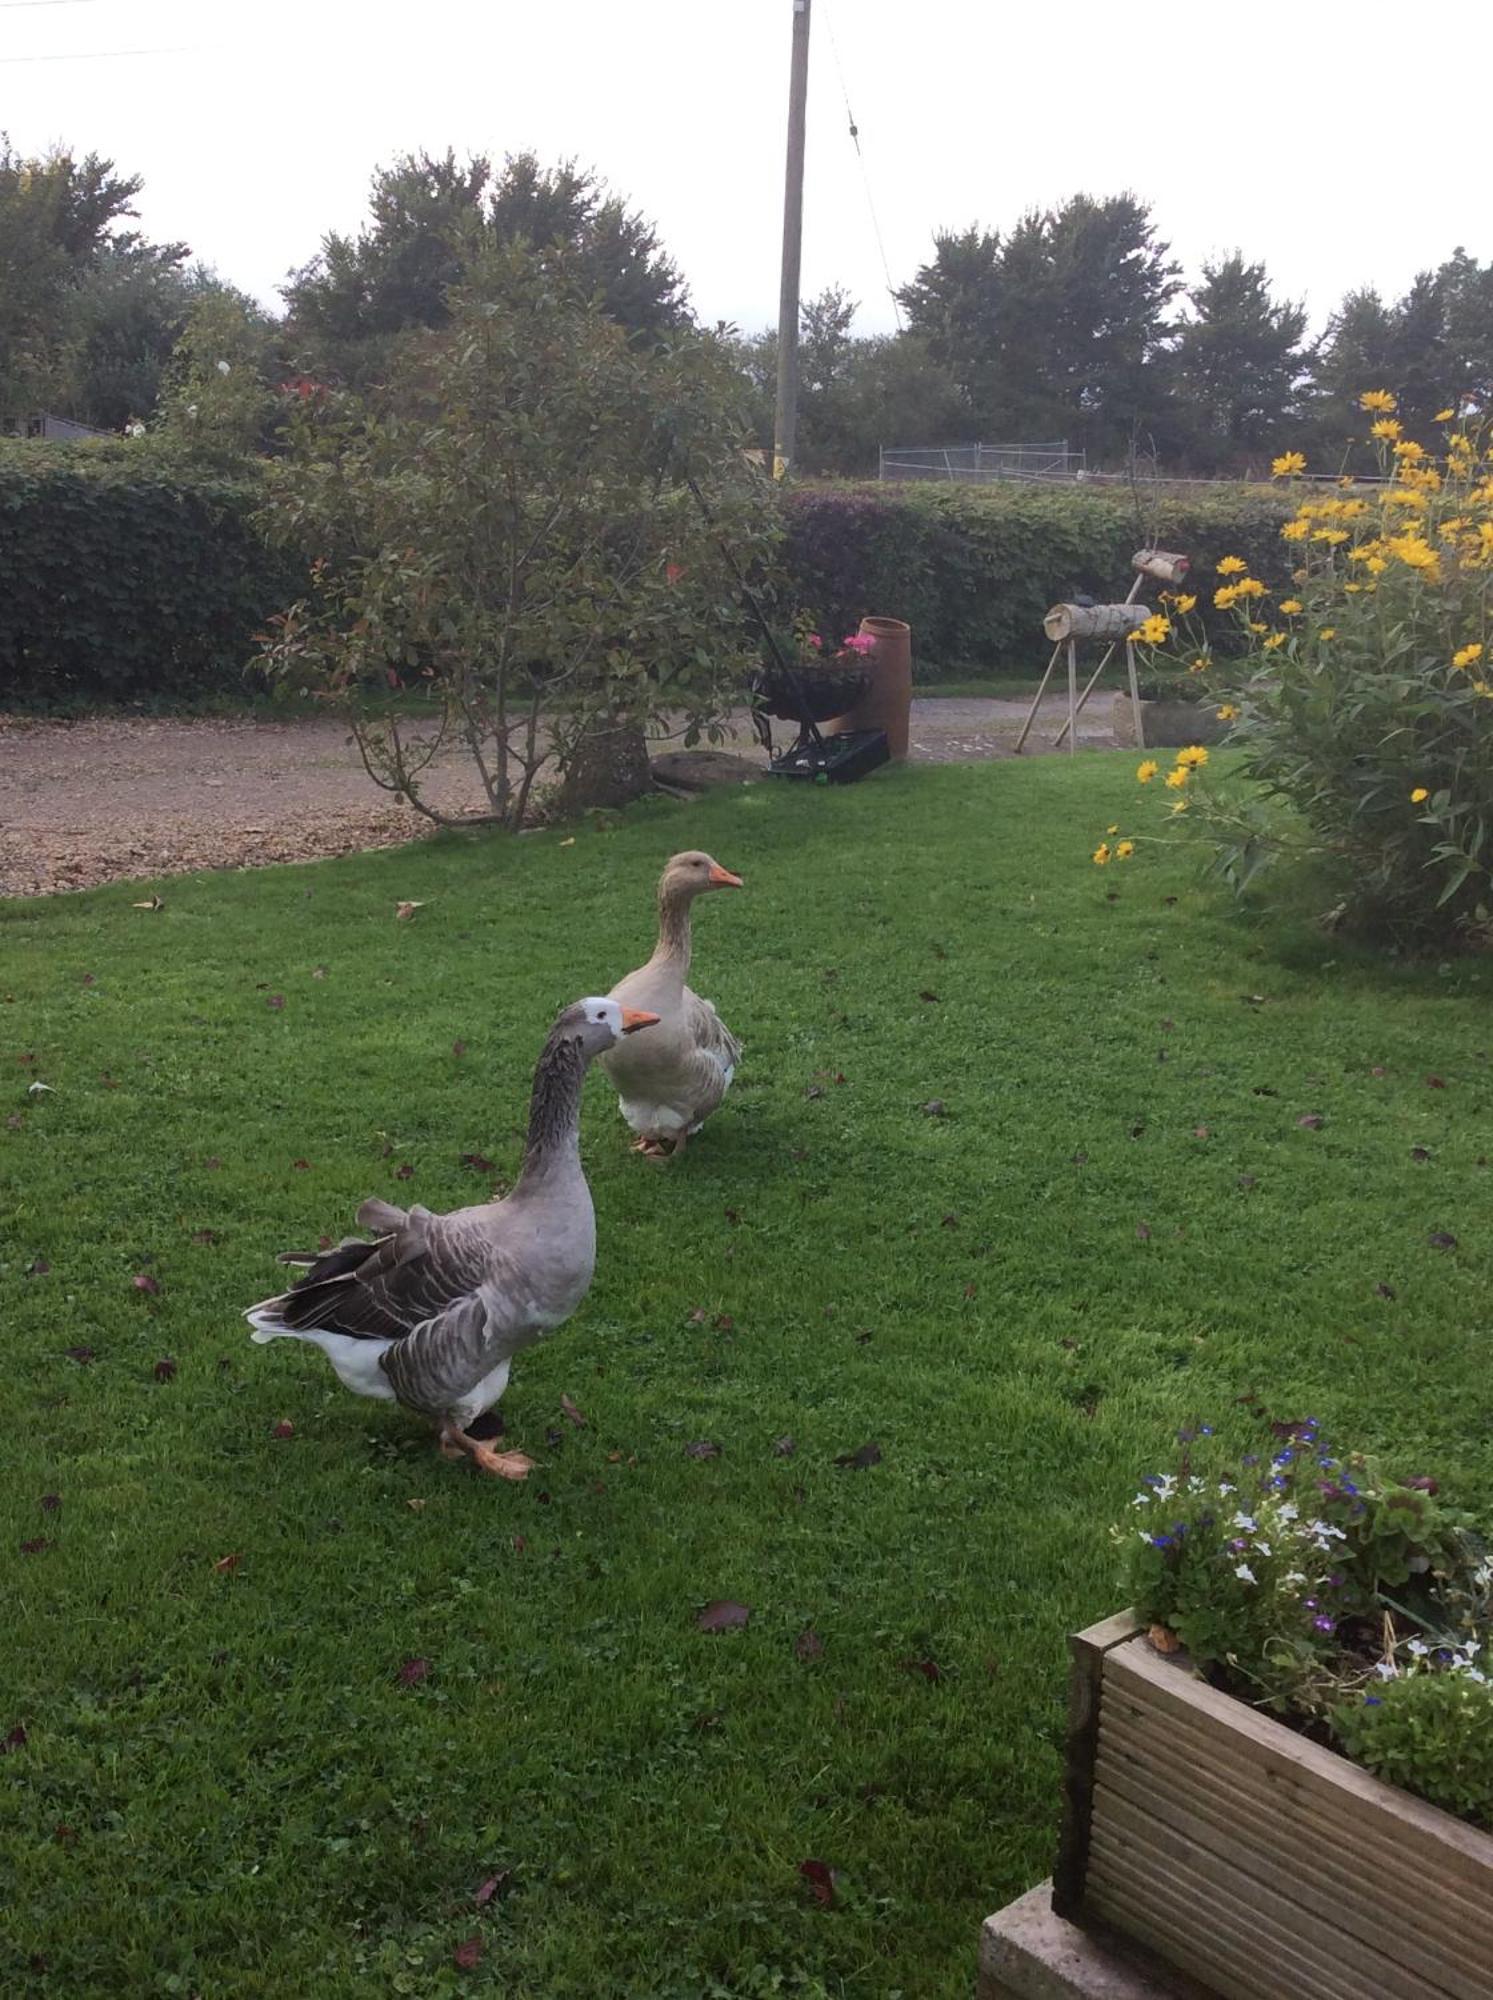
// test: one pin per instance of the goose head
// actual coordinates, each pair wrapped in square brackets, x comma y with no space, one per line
[598,1024]
[690,874]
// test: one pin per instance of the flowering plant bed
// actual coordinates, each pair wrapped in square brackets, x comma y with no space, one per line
[1242,1847]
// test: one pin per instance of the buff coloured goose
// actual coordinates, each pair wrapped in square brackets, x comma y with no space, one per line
[432,1309]
[669,1088]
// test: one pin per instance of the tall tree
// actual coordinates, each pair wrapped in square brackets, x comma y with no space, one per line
[83,301]
[1238,362]
[1057,329]
[431,219]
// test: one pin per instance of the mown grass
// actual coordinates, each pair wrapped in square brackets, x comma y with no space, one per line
[226,1786]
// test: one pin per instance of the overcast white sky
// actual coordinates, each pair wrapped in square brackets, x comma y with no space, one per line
[1335,144]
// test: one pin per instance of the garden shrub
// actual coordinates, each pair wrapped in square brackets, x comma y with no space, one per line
[973,571]
[127,579]
[1367,704]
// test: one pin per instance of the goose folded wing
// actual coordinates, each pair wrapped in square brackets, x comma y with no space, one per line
[384,1289]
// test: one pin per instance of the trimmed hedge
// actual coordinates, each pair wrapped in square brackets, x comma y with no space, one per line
[125,579]
[973,571]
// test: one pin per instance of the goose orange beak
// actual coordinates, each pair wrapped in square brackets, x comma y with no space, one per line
[634,1018]
[722,878]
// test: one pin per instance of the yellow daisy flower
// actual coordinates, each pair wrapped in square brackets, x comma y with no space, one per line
[1146,772]
[1295,531]
[1419,795]
[1186,604]
[1276,640]
[1124,849]
[1444,417]
[1101,854]
[1154,632]
[1468,656]
[1328,632]
[1192,757]
[1286,464]
[1228,712]
[1291,606]
[1232,566]
[1376,399]
[1177,778]
[1387,428]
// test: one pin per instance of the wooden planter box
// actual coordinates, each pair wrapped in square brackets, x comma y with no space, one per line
[1250,1859]
[1168,725]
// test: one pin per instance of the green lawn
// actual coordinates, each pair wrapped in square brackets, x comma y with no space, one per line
[228,1788]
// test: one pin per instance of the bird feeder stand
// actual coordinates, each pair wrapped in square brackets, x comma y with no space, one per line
[1066,624]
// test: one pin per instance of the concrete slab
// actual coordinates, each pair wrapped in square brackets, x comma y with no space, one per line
[1028,1953]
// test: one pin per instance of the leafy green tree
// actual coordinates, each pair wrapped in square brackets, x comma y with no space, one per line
[1238,364]
[221,401]
[511,528]
[1057,329]
[86,308]
[431,220]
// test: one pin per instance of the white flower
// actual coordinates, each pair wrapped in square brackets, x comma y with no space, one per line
[191,409]
[1293,1576]
[1289,1512]
[1387,1670]
[1226,1486]
[1244,1573]
[1417,1648]
[1262,1548]
[222,367]
[1246,1522]
[1475,1674]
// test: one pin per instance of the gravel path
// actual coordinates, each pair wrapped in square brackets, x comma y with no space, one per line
[116,798]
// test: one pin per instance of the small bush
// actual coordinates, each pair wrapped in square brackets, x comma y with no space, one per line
[973,571]
[1367,706]
[125,579]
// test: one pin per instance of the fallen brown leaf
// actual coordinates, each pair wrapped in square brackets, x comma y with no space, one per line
[145,1281]
[821,1879]
[413,1672]
[165,1369]
[723,1614]
[226,1565]
[573,1413]
[808,1645]
[702,1448]
[857,1461]
[404,911]
[468,1954]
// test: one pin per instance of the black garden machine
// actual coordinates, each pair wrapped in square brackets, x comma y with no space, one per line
[822,760]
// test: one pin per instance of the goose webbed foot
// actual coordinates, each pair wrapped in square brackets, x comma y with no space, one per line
[652,1148]
[455,1443]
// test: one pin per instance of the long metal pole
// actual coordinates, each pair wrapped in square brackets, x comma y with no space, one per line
[785,420]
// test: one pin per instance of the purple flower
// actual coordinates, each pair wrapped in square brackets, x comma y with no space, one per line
[1310,1603]
[1239,1542]
[1284,1457]
[1150,1479]
[1348,1486]
[1323,1624]
[1205,1430]
[1161,1541]
[1372,1701]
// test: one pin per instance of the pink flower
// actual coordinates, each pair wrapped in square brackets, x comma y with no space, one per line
[814,640]
[859,642]
[673,571]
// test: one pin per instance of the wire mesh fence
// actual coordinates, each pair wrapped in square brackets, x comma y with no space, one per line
[980,464]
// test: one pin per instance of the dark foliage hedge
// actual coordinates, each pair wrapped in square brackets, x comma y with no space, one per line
[124,579]
[973,571]
[128,579]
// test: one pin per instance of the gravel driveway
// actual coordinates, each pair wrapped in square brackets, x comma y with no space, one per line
[116,798]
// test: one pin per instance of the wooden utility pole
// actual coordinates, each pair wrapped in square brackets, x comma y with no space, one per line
[785,421]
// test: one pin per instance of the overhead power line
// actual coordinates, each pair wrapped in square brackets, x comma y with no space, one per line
[855,136]
[105,55]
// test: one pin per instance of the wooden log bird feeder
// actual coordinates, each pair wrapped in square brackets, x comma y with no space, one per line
[1066,624]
